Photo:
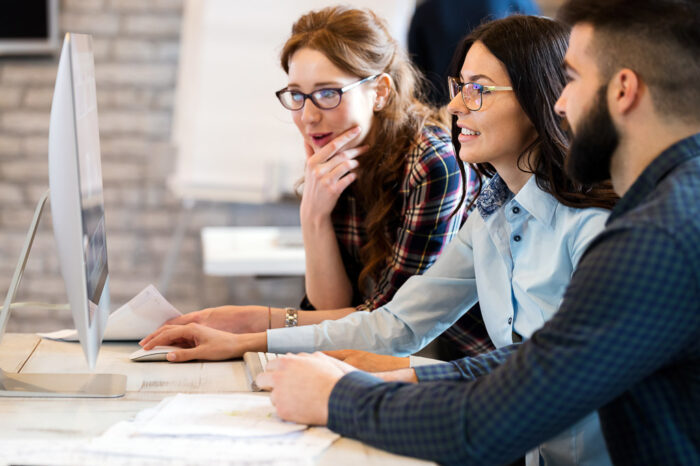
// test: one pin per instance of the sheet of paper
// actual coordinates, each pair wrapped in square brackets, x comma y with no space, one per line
[202,429]
[127,452]
[230,415]
[142,315]
[299,448]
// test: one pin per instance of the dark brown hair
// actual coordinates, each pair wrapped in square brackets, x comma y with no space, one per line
[658,39]
[532,50]
[358,42]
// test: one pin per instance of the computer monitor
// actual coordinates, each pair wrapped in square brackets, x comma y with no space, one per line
[77,208]
[75,184]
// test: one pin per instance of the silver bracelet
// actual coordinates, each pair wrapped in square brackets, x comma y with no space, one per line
[291,317]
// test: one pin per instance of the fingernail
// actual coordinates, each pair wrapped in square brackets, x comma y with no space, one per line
[170,356]
[356,129]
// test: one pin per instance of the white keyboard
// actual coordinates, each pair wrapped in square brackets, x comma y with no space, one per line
[255,363]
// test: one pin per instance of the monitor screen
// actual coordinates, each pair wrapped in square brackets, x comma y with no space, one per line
[75,181]
[90,171]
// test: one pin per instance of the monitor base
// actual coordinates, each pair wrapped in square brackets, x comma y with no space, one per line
[62,385]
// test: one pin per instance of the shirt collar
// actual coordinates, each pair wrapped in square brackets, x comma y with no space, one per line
[681,151]
[493,196]
[538,203]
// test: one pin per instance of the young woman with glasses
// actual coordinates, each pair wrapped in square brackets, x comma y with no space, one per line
[383,191]
[515,254]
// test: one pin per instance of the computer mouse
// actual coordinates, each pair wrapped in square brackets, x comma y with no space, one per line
[157,353]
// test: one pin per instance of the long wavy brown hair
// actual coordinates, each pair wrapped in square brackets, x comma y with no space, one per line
[532,49]
[358,42]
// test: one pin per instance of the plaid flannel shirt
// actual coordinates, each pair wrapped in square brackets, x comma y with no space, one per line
[429,193]
[626,341]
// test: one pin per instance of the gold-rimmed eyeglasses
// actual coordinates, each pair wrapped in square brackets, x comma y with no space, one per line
[472,93]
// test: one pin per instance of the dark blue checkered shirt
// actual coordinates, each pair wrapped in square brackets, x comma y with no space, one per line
[625,341]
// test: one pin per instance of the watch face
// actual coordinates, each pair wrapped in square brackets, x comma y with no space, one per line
[290,317]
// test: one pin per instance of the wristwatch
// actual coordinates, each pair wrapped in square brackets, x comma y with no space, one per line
[290,317]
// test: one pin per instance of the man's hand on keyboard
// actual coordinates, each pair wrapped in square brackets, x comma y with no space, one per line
[201,342]
[301,385]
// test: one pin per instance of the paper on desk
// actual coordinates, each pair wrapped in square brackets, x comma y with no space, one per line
[229,415]
[124,444]
[175,452]
[234,429]
[138,318]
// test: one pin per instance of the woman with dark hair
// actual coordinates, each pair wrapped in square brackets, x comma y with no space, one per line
[515,255]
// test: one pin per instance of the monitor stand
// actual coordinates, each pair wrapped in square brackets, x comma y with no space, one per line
[62,385]
[50,385]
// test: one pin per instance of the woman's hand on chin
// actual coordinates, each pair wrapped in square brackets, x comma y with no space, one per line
[329,171]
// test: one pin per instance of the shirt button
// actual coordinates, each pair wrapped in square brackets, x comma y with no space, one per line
[510,320]
[516,210]
[516,238]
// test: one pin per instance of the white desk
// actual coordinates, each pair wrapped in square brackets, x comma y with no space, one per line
[253,251]
[147,384]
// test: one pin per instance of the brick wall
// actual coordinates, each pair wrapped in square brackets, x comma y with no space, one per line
[136,45]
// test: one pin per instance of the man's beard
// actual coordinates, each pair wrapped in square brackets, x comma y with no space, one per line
[593,143]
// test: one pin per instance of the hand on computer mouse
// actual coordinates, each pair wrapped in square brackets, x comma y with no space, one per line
[200,342]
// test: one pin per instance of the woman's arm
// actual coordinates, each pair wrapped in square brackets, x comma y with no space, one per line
[252,319]
[422,309]
[327,283]
[328,173]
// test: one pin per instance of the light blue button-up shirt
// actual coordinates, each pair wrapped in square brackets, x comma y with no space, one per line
[514,254]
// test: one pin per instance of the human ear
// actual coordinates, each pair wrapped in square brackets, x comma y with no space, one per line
[383,90]
[625,90]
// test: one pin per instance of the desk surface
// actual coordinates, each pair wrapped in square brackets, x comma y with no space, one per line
[147,384]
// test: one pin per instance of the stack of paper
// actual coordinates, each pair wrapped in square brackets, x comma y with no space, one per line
[234,428]
[230,429]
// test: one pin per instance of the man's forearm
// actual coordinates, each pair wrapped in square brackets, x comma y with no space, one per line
[466,368]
